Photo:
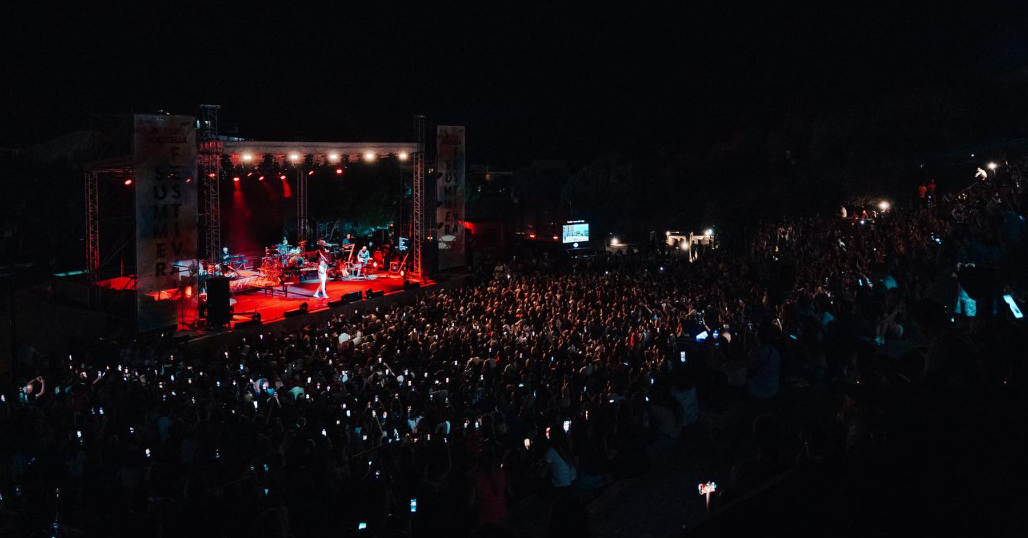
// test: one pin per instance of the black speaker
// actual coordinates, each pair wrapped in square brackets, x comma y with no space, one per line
[338,302]
[408,284]
[217,301]
[298,312]
[247,323]
[352,296]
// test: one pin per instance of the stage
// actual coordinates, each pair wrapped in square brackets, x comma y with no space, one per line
[273,302]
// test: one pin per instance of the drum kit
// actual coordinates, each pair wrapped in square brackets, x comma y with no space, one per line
[278,261]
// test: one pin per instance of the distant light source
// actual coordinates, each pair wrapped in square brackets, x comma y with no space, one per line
[992,166]
[555,238]
[282,177]
[614,242]
[260,178]
[668,233]
[333,157]
[339,171]
[294,157]
[883,205]
[247,157]
[128,181]
[369,156]
[531,236]
[235,178]
[685,246]
[403,155]
[710,231]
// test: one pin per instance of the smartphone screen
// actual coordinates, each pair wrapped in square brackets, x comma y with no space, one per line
[1013,306]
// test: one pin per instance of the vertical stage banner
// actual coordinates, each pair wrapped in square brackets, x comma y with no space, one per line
[164,158]
[449,212]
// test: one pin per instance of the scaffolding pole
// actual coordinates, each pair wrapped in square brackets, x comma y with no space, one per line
[301,204]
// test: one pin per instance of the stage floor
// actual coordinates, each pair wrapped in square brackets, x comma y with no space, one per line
[273,305]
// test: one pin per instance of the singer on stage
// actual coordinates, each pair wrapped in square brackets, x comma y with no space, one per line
[322,273]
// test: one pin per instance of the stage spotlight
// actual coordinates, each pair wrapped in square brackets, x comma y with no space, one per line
[531,236]
[282,177]
[992,166]
[311,173]
[236,179]
[555,238]
[211,175]
[614,242]
[369,156]
[260,178]
[339,171]
[883,205]
[403,156]
[295,157]
[247,157]
[710,231]
[333,157]
[128,181]
[189,180]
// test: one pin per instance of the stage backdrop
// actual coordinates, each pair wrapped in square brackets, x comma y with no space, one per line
[165,172]
[449,213]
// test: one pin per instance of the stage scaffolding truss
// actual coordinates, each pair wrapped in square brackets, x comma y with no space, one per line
[92,176]
[418,191]
[209,162]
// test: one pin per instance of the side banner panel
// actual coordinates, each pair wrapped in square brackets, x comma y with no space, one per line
[449,213]
[165,173]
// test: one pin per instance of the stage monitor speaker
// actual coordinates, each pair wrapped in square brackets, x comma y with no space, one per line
[352,296]
[338,302]
[409,284]
[217,301]
[298,312]
[247,323]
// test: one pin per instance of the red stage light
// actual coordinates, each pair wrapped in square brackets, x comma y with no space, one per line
[375,265]
[189,180]
[339,171]
[235,178]
[260,178]
[128,181]
[311,173]
[531,236]
[212,174]
[282,177]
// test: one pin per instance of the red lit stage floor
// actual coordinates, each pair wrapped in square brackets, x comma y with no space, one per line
[273,304]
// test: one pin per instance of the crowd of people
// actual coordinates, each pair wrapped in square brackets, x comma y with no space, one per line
[540,379]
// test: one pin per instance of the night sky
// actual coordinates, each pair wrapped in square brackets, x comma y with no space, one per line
[529,82]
